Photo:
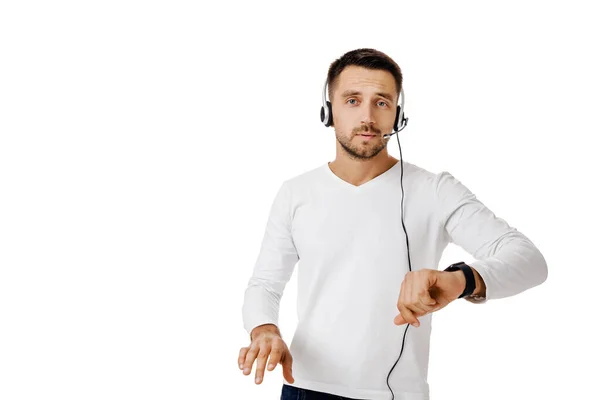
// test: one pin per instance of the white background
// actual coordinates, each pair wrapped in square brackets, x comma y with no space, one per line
[141,145]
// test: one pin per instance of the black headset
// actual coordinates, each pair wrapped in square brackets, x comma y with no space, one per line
[327,113]
[327,119]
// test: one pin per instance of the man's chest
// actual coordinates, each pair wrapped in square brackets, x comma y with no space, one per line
[355,226]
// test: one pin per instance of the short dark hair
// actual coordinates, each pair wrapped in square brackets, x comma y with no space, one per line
[366,58]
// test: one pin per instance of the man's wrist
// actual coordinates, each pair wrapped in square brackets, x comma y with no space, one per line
[470,284]
[480,288]
[461,279]
[479,284]
[264,328]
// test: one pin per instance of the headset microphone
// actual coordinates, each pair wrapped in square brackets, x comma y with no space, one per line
[387,135]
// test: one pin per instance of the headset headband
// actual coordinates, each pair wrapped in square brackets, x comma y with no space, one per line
[327,118]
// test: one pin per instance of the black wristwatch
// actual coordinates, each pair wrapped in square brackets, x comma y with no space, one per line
[470,286]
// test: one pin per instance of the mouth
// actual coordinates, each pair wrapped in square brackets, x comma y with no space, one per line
[367,136]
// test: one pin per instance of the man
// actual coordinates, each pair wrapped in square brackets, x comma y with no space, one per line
[361,286]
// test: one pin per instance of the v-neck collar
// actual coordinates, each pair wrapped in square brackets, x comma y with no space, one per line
[368,183]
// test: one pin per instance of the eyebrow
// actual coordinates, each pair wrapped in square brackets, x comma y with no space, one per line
[356,92]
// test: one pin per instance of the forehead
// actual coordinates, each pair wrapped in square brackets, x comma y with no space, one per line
[365,80]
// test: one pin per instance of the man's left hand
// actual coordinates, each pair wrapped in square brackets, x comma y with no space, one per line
[427,290]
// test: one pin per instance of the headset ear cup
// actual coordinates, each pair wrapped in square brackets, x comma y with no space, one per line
[330,119]
[397,118]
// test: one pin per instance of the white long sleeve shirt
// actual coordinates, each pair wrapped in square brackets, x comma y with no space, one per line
[350,248]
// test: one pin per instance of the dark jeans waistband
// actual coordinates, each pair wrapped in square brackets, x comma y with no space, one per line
[289,392]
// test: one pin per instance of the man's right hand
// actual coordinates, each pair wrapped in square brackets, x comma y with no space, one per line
[266,341]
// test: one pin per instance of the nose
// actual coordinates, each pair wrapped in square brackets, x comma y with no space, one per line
[368,116]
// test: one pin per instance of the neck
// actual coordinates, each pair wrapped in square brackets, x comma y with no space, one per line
[358,171]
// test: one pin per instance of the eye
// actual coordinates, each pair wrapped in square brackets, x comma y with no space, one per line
[383,102]
[349,100]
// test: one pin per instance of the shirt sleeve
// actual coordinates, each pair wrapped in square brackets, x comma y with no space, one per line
[274,266]
[508,262]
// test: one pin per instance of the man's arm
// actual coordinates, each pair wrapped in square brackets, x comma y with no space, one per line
[274,266]
[507,262]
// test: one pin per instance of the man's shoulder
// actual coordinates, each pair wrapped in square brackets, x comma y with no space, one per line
[307,177]
[420,174]
[417,168]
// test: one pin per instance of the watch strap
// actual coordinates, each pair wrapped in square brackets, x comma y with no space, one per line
[470,277]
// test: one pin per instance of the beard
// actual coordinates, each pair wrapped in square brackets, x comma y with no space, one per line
[359,150]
